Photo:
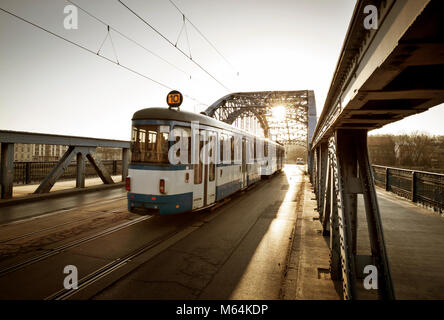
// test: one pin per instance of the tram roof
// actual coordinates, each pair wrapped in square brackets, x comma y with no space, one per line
[171,114]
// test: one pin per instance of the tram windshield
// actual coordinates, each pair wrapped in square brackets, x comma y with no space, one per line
[149,143]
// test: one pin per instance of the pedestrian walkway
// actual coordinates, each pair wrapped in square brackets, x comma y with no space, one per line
[27,189]
[414,238]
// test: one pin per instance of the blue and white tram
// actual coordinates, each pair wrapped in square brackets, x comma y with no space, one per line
[157,185]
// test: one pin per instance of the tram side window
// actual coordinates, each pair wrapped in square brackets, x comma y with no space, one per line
[221,146]
[254,150]
[212,165]
[266,149]
[225,147]
[198,168]
[149,144]
[183,133]
[232,149]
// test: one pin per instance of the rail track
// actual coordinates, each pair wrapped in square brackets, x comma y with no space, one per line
[109,268]
[75,243]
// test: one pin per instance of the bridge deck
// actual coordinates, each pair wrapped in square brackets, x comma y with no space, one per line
[415,244]
[253,257]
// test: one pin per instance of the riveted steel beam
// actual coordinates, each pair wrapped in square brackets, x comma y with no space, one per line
[296,127]
[6,170]
[347,174]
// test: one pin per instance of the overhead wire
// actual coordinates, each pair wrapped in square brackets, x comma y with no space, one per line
[203,36]
[171,43]
[128,38]
[94,53]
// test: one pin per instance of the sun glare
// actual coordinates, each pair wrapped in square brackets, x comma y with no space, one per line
[278,113]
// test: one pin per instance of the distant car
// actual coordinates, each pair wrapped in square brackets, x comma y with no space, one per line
[300,161]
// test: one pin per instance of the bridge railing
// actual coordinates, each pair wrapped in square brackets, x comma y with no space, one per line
[426,188]
[35,171]
[80,150]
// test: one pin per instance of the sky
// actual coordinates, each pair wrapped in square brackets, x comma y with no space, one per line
[48,85]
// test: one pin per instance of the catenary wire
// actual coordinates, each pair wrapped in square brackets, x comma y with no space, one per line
[171,43]
[202,35]
[128,38]
[96,54]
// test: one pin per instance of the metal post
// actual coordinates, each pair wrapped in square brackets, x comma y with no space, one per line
[310,163]
[326,208]
[125,156]
[387,183]
[315,172]
[347,209]
[349,165]
[335,242]
[80,171]
[7,170]
[114,167]
[374,222]
[28,173]
[414,186]
[323,155]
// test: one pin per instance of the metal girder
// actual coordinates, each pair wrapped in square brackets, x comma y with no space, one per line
[297,127]
[47,183]
[80,172]
[7,136]
[386,74]
[79,147]
[382,75]
[80,153]
[339,177]
[100,168]
[6,170]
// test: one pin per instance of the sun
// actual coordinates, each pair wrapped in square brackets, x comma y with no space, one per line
[278,113]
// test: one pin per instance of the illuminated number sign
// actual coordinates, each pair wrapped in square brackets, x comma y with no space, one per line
[174,99]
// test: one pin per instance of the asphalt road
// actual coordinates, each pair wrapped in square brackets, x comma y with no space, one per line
[239,253]
[236,251]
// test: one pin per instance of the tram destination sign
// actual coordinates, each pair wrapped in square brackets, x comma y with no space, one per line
[174,99]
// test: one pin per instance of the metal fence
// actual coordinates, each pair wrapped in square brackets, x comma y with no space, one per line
[33,172]
[426,188]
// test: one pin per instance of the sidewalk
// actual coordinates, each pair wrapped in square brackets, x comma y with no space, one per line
[308,276]
[25,193]
[26,190]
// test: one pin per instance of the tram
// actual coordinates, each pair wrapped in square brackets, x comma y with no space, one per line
[182,161]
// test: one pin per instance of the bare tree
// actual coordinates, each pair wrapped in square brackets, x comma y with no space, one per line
[414,149]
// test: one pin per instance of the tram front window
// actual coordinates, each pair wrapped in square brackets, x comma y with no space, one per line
[149,143]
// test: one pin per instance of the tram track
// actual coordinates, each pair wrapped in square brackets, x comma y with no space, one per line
[113,266]
[70,245]
[105,274]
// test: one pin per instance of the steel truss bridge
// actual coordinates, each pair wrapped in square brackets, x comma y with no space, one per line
[253,111]
[383,75]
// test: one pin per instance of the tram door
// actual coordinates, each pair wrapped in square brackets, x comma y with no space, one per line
[244,163]
[210,168]
[204,190]
[198,185]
